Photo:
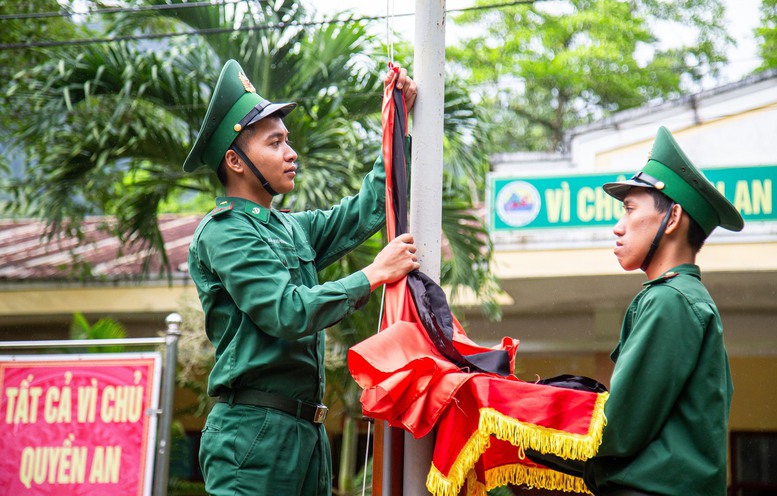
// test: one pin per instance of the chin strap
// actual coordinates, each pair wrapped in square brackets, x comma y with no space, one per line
[657,239]
[259,176]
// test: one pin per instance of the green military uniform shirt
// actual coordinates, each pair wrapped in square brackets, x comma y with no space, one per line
[256,274]
[668,410]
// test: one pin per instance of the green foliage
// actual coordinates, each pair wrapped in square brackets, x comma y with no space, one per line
[766,34]
[17,29]
[501,491]
[104,328]
[181,448]
[545,67]
[115,120]
[360,482]
[182,487]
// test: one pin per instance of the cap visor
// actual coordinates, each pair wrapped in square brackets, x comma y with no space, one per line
[730,218]
[282,108]
[620,189]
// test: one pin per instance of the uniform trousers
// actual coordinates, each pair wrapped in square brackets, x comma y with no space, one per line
[258,451]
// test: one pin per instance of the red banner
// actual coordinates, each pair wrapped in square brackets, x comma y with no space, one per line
[78,425]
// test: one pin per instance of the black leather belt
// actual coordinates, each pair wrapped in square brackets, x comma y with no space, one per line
[300,409]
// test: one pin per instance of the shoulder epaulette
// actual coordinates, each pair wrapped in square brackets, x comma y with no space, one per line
[222,209]
[668,275]
[663,278]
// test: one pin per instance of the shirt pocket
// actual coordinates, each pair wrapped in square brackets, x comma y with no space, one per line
[300,262]
[307,264]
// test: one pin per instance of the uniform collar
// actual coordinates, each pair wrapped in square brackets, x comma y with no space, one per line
[242,205]
[686,269]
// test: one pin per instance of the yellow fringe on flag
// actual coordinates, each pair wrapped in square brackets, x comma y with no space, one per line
[516,474]
[439,485]
[543,439]
[522,435]
[542,478]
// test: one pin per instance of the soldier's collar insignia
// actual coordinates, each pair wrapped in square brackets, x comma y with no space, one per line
[257,211]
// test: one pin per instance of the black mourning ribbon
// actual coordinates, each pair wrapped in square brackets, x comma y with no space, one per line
[428,296]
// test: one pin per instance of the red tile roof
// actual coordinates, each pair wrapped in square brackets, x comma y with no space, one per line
[28,254]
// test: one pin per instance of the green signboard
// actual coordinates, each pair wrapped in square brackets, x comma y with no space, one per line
[574,201]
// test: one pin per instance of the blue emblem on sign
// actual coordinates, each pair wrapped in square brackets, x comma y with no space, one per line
[518,203]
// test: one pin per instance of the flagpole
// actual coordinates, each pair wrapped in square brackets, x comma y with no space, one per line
[426,188]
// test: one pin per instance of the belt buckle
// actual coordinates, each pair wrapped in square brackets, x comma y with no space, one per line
[320,415]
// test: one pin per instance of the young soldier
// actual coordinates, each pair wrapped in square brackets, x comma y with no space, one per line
[670,393]
[265,310]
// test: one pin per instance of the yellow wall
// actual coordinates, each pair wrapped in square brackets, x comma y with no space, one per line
[533,366]
[754,407]
[137,299]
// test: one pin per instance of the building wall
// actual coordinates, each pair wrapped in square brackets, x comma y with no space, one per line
[754,406]
[716,128]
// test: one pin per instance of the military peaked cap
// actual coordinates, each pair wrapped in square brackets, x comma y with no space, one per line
[669,171]
[233,106]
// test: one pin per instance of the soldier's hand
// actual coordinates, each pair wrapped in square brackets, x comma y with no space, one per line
[404,82]
[393,262]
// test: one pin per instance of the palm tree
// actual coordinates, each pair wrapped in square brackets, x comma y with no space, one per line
[104,328]
[116,120]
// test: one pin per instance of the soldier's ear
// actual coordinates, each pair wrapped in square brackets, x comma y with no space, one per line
[232,161]
[675,219]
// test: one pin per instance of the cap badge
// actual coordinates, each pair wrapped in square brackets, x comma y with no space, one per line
[246,83]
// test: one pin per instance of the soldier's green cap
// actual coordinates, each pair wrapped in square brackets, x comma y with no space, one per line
[234,105]
[669,171]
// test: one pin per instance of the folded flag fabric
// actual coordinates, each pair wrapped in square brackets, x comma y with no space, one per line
[422,372]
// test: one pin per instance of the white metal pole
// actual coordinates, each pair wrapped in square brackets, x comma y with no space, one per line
[426,187]
[162,469]
[426,157]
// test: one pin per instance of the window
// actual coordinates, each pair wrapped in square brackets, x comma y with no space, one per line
[753,463]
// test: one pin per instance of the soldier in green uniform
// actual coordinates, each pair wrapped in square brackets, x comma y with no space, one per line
[670,392]
[265,311]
